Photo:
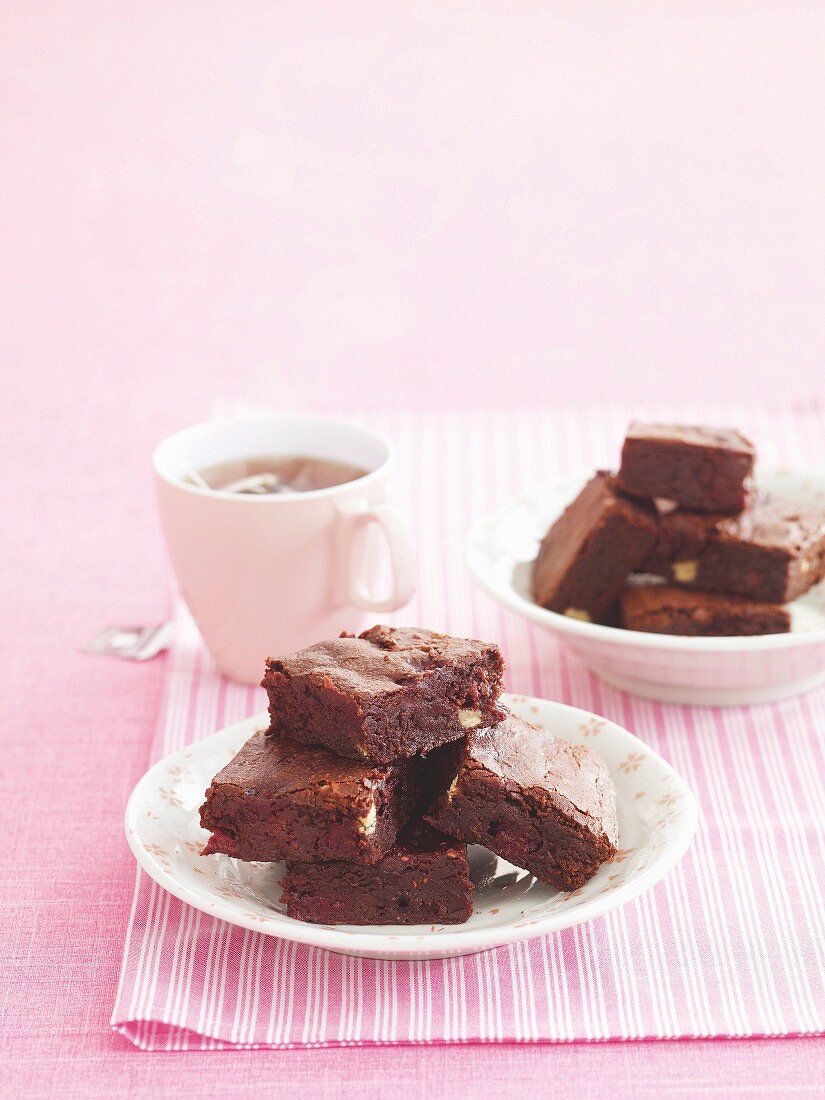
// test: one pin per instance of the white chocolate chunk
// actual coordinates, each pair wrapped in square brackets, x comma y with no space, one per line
[468,718]
[366,824]
[453,787]
[804,566]
[685,571]
[577,613]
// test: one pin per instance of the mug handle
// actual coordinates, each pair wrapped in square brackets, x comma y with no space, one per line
[363,516]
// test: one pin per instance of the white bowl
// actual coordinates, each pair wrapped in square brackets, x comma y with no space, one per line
[501,548]
[657,817]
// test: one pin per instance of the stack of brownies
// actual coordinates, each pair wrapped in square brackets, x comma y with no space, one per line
[385,755]
[678,542]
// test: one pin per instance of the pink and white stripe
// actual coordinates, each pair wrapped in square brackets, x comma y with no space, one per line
[732,943]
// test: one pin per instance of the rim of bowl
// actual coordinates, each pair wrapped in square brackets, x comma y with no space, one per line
[563,624]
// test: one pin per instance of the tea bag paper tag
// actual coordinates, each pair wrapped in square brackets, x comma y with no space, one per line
[132,643]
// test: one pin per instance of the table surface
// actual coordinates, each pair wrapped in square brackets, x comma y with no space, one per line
[139,297]
[90,553]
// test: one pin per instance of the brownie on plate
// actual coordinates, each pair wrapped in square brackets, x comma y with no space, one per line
[667,609]
[704,469]
[591,549]
[389,693]
[277,799]
[424,879]
[771,552]
[533,799]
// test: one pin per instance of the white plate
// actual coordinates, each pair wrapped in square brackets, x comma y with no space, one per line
[657,818]
[500,550]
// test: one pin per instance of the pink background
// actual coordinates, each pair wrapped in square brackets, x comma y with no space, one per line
[344,206]
[501,201]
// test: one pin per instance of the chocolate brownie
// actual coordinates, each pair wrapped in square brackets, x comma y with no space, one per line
[533,799]
[277,799]
[704,469]
[425,879]
[772,552]
[681,536]
[665,609]
[591,549]
[389,693]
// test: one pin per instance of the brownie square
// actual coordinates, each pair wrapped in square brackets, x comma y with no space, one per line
[665,609]
[277,799]
[389,693]
[425,879]
[772,552]
[533,799]
[681,536]
[704,469]
[589,552]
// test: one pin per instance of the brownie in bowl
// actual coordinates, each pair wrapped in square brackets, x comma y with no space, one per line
[590,551]
[682,507]
[705,469]
[772,551]
[665,609]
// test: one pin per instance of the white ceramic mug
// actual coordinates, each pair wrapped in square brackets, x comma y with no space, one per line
[264,575]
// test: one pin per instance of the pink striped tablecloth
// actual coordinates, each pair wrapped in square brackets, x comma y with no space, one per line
[731,943]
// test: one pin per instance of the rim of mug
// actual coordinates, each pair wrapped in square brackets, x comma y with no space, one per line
[273,498]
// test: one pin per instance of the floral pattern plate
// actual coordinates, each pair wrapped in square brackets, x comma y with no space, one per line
[657,819]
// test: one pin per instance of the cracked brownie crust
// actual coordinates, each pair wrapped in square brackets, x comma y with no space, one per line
[387,694]
[535,800]
[278,799]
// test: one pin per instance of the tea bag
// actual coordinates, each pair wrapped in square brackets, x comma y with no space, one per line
[257,485]
[133,643]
